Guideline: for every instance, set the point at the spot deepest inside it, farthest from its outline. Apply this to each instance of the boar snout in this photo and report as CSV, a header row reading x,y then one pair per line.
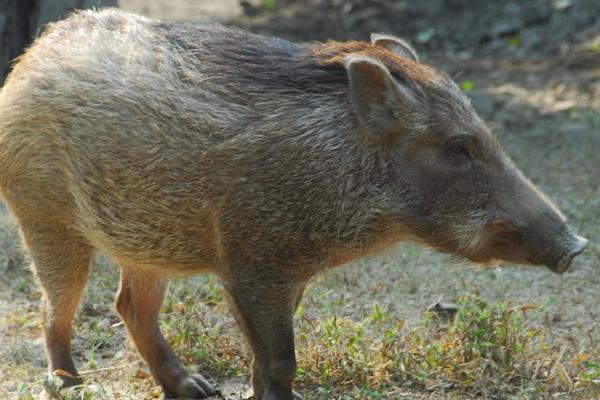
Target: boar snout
x,y
556,248
539,233
575,246
540,246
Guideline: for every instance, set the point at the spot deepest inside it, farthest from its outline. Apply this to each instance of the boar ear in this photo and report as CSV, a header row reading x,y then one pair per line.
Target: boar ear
x,y
377,98
397,45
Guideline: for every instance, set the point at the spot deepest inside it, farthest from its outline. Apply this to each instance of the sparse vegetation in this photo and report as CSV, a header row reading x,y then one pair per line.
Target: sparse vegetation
x,y
488,349
269,4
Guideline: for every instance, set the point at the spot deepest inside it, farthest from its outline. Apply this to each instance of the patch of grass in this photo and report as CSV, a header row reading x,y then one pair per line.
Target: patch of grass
x,y
86,391
486,349
593,44
467,85
515,41
194,322
269,5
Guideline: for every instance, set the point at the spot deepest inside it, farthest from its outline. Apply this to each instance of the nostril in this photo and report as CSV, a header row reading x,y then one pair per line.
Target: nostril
x,y
578,244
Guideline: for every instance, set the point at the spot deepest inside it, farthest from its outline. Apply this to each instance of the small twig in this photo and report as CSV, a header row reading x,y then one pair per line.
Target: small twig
x,y
99,370
536,371
559,358
117,324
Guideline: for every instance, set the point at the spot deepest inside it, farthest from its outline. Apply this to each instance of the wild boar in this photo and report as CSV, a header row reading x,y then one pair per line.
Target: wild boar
x,y
181,149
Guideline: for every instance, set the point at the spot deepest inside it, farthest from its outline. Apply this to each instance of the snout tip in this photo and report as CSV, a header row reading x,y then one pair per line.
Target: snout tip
x,y
578,244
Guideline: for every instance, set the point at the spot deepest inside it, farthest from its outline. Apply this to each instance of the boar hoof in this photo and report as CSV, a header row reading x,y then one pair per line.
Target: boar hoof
x,y
54,386
192,387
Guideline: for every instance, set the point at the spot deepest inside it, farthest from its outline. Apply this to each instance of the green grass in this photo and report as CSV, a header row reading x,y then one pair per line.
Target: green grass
x,y
486,349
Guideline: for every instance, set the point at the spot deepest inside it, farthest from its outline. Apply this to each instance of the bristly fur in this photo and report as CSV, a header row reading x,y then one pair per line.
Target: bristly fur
x,y
333,54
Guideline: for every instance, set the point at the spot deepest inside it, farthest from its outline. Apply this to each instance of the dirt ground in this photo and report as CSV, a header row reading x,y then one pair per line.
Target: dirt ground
x,y
532,69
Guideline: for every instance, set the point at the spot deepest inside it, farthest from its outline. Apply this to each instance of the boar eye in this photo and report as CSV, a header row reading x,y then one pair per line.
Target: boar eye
x,y
458,146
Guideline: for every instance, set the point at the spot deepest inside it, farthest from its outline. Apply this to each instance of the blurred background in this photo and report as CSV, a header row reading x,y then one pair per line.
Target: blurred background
x,y
532,69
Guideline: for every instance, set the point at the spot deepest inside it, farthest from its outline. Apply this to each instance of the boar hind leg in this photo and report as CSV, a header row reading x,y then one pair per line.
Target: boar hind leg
x,y
138,303
265,314
61,262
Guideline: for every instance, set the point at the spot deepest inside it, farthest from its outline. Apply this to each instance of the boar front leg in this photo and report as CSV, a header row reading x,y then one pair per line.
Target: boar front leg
x,y
138,303
265,310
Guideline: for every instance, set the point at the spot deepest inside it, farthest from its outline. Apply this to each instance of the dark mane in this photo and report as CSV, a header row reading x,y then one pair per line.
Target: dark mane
x,y
256,61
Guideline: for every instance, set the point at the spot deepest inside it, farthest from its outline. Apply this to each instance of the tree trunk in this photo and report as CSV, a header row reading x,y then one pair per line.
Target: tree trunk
x,y
22,20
